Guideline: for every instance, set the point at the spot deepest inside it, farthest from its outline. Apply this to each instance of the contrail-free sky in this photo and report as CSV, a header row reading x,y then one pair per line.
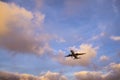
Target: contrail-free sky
x,y
35,36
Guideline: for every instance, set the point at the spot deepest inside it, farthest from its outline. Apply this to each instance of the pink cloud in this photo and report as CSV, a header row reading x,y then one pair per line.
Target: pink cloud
x,y
19,30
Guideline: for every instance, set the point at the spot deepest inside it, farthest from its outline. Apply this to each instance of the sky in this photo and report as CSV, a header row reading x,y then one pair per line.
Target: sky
x,y
36,35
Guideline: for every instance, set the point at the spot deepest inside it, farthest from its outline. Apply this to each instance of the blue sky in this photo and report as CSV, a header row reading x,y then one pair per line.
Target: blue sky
x,y
35,36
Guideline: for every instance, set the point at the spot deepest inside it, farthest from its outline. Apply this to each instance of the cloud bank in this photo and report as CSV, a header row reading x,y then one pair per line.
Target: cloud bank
x,y
21,30
16,76
111,72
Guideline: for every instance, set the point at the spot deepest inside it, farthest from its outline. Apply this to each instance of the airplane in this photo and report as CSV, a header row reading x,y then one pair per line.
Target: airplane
x,y
75,55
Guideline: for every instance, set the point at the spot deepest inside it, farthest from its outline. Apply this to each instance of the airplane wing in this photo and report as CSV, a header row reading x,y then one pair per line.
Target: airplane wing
x,y
68,55
80,53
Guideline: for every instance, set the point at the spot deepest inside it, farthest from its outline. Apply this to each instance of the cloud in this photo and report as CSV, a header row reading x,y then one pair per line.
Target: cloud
x,y
16,76
96,37
115,38
84,60
86,75
52,76
21,30
112,73
59,39
104,58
